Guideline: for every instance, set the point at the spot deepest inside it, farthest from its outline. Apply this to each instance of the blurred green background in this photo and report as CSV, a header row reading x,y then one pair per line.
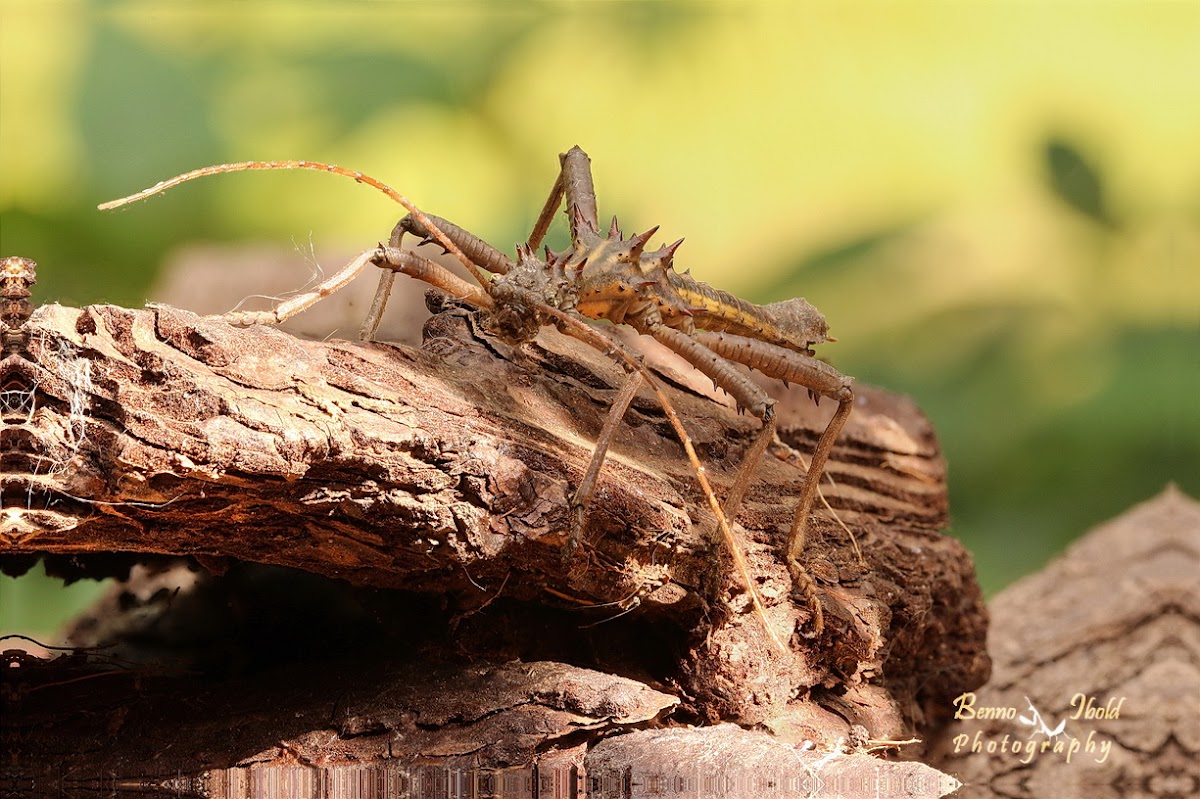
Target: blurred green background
x,y
996,206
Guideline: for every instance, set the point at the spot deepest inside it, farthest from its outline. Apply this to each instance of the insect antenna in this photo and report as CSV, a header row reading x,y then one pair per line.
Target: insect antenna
x,y
316,166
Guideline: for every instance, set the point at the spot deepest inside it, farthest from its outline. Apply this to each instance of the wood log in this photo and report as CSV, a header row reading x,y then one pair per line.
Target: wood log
x,y
439,479
1097,685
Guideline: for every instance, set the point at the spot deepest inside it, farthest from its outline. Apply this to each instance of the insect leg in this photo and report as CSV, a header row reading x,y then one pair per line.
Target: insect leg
x,y
577,328
746,392
479,251
295,305
542,225
388,258
474,248
370,325
575,181
583,494
431,272
752,397
820,378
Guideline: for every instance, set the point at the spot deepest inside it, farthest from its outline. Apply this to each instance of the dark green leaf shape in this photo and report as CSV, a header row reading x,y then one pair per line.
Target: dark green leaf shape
x,y
1076,180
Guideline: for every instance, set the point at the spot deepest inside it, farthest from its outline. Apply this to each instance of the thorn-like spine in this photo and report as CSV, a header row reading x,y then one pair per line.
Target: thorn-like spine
x,y
578,222
638,243
668,252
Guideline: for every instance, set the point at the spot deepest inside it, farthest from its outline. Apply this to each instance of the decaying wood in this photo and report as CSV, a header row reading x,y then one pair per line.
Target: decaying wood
x,y
126,727
733,763
1105,642
443,474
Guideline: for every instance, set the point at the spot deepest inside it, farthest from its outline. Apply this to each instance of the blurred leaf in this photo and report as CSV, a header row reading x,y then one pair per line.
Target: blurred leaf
x,y
1076,181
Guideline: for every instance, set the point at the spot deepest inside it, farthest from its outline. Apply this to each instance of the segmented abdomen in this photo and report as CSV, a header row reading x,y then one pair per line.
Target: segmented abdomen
x,y
779,362
794,324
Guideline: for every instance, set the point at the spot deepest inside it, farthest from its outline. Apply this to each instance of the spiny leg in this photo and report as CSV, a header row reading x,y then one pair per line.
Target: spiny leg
x,y
391,260
301,302
383,291
431,272
480,253
476,249
748,395
812,481
575,181
578,186
542,226
387,279
750,462
802,579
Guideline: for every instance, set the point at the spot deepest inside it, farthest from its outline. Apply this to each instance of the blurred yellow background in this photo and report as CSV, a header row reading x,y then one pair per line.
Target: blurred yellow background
x,y
997,206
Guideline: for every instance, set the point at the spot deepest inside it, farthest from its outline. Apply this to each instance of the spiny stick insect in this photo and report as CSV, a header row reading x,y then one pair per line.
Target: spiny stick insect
x,y
615,278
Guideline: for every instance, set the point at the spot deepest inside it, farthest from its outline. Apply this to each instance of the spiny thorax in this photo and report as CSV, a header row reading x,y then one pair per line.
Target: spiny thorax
x,y
621,282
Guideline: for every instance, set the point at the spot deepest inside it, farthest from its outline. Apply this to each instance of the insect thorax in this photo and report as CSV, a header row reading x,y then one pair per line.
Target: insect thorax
x,y
618,281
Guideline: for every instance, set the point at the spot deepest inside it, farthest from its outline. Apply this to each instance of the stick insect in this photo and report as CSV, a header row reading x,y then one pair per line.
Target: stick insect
x,y
611,277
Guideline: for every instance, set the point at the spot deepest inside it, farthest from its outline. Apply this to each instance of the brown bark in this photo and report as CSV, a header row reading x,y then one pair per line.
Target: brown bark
x,y
1105,642
442,475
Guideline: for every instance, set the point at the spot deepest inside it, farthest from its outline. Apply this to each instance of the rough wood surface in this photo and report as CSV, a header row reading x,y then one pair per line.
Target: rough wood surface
x,y
1105,642
443,473
733,763
125,727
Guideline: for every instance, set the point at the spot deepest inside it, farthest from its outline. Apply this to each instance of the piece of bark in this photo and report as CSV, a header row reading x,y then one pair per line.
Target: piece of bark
x,y
131,726
1111,628
734,763
446,472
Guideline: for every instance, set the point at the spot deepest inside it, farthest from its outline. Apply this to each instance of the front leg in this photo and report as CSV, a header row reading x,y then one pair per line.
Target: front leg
x,y
300,302
478,251
391,260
